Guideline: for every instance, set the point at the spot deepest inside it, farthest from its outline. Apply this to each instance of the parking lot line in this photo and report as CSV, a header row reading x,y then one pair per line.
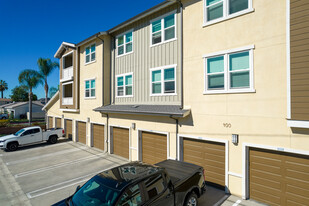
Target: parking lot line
x,y
43,169
65,184
237,203
43,156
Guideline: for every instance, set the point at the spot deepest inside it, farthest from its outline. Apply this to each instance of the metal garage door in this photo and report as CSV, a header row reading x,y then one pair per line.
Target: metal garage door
x,y
154,147
98,136
50,122
278,178
121,142
68,128
81,132
210,155
58,123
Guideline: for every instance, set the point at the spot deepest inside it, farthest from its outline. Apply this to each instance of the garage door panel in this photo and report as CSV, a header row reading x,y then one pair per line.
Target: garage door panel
x,y
121,142
50,122
58,123
154,147
291,174
81,126
68,128
98,136
210,155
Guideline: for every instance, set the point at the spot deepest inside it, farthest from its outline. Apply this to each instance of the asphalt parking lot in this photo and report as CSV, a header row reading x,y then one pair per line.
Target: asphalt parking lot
x,y
44,174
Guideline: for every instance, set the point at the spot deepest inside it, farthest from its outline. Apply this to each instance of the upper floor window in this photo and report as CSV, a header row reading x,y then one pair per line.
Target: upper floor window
x,y
230,71
90,54
163,80
90,88
216,10
125,43
124,85
163,29
67,60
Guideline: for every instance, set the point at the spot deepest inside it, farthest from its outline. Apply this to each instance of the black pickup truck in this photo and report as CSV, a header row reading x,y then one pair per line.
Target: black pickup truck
x,y
167,183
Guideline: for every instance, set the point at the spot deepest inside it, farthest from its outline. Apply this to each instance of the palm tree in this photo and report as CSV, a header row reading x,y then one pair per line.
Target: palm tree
x,y
46,66
52,91
31,79
3,87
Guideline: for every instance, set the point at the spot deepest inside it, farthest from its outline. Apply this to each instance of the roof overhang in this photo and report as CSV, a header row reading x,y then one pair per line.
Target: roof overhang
x,y
142,15
174,111
62,47
91,38
55,97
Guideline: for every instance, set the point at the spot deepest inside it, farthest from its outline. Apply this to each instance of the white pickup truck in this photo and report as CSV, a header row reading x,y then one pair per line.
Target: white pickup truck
x,y
30,135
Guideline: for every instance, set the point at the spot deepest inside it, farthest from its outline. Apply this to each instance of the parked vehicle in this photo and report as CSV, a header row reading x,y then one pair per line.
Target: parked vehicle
x,y
4,116
30,135
168,183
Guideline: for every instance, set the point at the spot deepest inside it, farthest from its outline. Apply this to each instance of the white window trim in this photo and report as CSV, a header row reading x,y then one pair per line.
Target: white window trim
x,y
90,88
225,16
124,85
89,45
162,29
124,43
225,53
162,80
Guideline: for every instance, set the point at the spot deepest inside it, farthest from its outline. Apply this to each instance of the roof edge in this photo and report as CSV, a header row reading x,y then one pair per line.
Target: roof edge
x,y
52,99
91,38
62,46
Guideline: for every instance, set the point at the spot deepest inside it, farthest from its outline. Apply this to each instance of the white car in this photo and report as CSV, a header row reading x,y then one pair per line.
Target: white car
x,y
30,135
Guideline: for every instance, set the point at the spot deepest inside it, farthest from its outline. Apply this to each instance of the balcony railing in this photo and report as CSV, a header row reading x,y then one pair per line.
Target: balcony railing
x,y
67,101
67,74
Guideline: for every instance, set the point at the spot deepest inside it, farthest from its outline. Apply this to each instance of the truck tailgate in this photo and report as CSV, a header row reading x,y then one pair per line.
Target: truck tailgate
x,y
179,171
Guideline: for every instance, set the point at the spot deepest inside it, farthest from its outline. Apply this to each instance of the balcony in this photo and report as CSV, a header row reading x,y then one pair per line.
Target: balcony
x,y
67,74
67,67
67,101
67,93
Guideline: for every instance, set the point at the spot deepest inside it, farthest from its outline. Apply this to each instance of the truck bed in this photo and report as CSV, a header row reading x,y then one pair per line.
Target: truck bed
x,y
179,171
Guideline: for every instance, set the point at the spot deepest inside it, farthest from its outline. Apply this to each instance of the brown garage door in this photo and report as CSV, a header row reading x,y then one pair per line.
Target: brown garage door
x,y
121,142
98,136
58,123
154,147
210,155
279,178
68,128
50,122
81,132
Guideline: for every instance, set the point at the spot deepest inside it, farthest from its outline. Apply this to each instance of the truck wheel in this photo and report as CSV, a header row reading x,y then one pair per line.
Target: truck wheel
x,y
12,146
53,139
191,200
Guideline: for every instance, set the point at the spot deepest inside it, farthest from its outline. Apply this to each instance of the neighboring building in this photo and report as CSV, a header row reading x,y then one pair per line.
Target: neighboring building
x,y
222,84
5,101
19,109
42,100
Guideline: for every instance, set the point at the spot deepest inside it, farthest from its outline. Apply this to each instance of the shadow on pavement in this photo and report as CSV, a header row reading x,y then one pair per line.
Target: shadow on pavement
x,y
42,144
213,196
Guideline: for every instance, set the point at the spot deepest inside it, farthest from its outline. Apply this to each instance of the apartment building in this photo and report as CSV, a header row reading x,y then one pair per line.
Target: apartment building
x,y
219,83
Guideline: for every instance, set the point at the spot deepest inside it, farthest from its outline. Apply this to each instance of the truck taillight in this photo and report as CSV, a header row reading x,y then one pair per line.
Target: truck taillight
x,y
63,131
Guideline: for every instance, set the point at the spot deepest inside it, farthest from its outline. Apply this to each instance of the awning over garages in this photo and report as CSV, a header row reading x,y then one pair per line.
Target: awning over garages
x,y
158,110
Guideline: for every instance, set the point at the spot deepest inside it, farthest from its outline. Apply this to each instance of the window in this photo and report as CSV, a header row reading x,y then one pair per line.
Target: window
x,y
90,88
131,196
90,54
163,30
155,185
124,85
68,61
230,71
163,80
125,43
222,9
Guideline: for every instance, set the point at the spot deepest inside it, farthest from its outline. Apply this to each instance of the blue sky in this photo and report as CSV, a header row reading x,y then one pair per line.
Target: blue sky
x,y
30,29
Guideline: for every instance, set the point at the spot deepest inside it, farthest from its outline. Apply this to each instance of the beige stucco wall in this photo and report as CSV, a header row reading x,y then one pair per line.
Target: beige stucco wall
x,y
92,70
259,117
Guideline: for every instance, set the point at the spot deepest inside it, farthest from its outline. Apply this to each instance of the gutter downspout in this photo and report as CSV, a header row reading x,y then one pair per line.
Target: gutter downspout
x,y
113,68
103,79
181,53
